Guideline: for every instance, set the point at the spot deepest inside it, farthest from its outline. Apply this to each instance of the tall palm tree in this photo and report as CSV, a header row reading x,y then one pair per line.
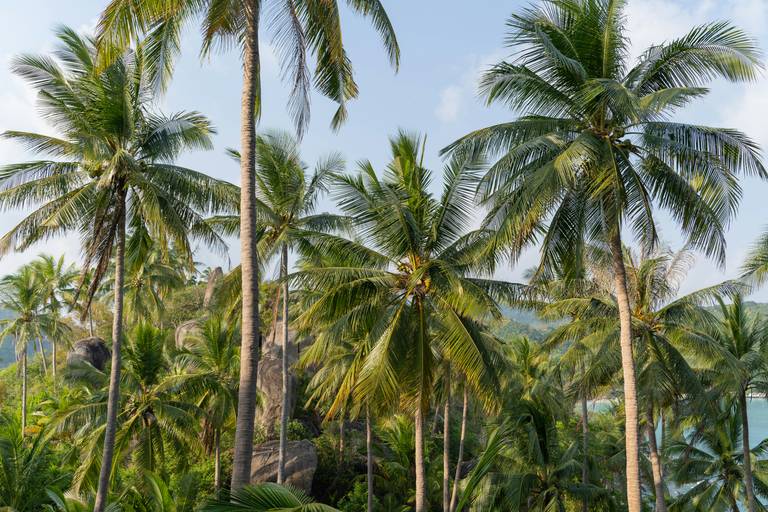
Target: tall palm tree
x,y
58,279
22,294
741,368
112,169
595,151
210,362
414,269
300,29
286,196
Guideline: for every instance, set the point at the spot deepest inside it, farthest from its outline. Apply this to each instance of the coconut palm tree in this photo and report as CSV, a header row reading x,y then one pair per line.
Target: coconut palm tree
x,y
153,418
414,270
595,150
210,362
740,368
23,294
58,279
708,463
300,30
287,196
112,170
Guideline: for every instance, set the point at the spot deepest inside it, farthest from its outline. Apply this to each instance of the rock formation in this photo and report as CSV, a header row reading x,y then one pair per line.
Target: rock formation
x,y
89,350
270,375
300,463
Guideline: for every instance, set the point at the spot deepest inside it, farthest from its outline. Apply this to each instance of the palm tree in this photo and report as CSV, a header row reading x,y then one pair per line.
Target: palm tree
x,y
153,418
286,198
709,463
22,294
739,368
210,363
113,170
24,468
412,270
594,150
756,265
267,497
300,29
58,280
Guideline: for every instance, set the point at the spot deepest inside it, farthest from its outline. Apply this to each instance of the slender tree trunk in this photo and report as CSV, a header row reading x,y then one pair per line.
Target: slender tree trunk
x,y
90,322
748,482
369,457
585,448
421,486
42,356
628,369
249,358
24,390
447,444
460,458
217,461
658,474
113,401
53,361
284,412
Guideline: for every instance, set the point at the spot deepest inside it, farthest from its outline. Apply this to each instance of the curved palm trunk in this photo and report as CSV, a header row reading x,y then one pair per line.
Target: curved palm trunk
x,y
369,457
113,400
447,445
658,474
284,412
421,487
748,482
246,404
585,447
42,356
459,459
628,369
24,390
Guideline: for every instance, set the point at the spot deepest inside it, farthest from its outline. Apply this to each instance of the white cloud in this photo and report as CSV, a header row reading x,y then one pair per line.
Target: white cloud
x,y
451,98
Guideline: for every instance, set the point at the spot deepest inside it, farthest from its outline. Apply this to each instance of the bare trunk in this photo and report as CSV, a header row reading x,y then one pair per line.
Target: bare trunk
x,y
53,361
24,390
584,448
42,356
90,322
748,482
249,347
369,457
658,474
113,402
421,487
460,458
447,445
628,368
217,461
284,412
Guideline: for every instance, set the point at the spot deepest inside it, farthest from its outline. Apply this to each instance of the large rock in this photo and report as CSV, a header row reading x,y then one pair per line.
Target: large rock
x,y
89,350
300,463
270,378
185,331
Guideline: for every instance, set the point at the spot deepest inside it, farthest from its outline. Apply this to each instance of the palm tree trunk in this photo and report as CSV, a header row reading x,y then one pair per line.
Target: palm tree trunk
x,y
286,392
369,457
53,361
585,447
113,401
748,482
24,390
658,475
217,461
42,356
459,459
249,360
628,369
421,486
90,322
447,444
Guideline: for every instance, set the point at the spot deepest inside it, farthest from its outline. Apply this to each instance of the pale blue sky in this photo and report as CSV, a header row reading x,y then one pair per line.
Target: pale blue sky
x,y
445,43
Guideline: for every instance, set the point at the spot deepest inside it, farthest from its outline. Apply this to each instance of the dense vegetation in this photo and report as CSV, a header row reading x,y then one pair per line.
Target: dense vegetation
x,y
388,368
